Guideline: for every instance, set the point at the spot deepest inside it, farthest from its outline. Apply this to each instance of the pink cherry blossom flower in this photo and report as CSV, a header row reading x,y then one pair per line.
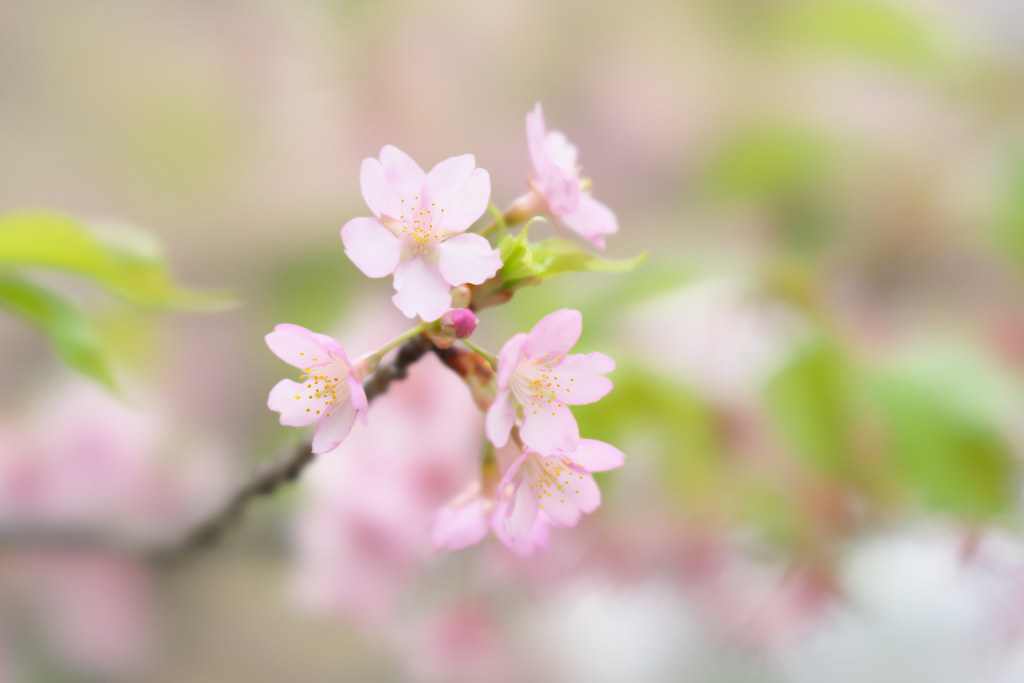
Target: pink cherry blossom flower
x,y
415,230
537,382
559,486
331,393
557,184
465,520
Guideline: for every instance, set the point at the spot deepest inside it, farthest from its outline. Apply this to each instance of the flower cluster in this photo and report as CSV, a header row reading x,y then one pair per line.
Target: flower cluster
x,y
419,234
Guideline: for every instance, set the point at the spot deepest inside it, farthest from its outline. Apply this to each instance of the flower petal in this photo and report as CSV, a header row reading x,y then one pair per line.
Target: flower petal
x,y
560,151
297,346
379,194
468,259
460,526
536,133
421,290
445,179
554,335
549,428
591,220
511,355
579,493
295,412
402,173
372,247
467,203
500,418
357,396
522,510
579,378
597,456
334,427
525,546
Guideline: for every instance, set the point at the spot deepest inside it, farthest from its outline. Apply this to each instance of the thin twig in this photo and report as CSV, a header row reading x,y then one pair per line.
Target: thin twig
x,y
265,480
286,467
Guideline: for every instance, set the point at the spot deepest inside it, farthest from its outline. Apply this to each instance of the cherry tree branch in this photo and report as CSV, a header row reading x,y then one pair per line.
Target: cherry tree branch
x,y
287,466
265,480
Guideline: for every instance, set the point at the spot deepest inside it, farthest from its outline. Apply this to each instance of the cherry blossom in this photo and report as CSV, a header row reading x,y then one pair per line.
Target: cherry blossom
x,y
557,185
415,230
465,520
559,486
331,393
537,382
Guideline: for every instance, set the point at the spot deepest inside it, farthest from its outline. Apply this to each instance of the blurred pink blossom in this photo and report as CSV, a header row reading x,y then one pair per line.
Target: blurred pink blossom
x,y
363,533
465,520
415,231
104,472
557,187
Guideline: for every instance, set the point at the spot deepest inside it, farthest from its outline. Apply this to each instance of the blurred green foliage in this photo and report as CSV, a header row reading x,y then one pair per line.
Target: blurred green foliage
x,y
126,262
72,334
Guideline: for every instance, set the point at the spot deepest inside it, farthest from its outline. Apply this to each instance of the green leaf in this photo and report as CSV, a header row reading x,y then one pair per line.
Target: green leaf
x,y
943,414
517,258
767,162
866,28
809,399
127,262
556,256
72,335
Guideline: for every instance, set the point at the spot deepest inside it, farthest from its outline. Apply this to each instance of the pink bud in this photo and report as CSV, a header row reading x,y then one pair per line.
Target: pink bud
x,y
461,320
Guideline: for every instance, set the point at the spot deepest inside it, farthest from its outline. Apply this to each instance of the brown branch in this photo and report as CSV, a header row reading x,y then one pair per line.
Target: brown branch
x,y
287,466
265,480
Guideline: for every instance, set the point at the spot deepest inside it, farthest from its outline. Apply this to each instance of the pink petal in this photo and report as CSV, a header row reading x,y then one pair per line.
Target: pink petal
x,y
549,429
460,526
468,259
500,417
511,355
522,510
536,133
445,179
402,173
535,539
579,494
357,397
596,456
421,290
295,412
561,191
591,220
334,427
554,335
560,151
297,346
579,378
372,247
332,345
467,203
380,195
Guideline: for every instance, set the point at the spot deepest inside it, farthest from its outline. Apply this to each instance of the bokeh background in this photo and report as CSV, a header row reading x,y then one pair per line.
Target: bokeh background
x,y
819,383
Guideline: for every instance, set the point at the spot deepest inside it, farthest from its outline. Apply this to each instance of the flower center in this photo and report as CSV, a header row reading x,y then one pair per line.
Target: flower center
x,y
544,474
418,225
533,385
328,382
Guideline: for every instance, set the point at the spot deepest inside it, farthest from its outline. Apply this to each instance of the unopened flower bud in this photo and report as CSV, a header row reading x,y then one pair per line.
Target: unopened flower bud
x,y
460,321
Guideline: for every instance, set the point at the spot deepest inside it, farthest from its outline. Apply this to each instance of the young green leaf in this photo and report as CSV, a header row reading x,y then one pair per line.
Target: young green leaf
x,y
127,262
556,256
73,337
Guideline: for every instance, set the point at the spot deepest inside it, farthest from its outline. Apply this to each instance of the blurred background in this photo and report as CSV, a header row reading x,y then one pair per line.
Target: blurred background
x,y
820,372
